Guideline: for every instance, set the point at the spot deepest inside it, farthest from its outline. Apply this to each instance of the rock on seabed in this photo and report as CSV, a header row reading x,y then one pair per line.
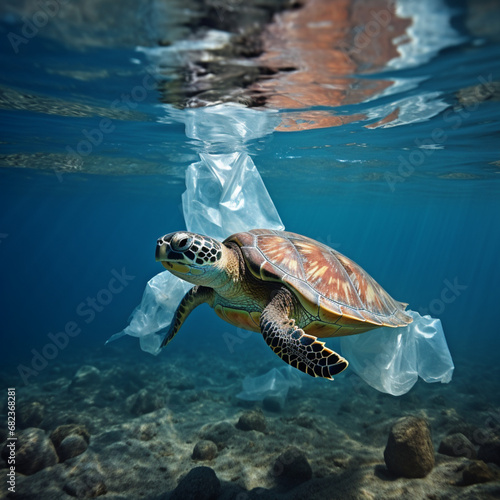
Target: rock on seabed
x,y
292,465
409,451
34,452
457,445
204,450
252,420
200,483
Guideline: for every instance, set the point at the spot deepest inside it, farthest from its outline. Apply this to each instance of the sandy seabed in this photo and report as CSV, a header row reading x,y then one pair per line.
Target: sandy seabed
x,y
124,426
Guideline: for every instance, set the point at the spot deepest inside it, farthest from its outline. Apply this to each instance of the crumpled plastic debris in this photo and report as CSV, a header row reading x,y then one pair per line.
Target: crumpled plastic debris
x,y
154,314
224,127
392,359
275,383
225,194
388,359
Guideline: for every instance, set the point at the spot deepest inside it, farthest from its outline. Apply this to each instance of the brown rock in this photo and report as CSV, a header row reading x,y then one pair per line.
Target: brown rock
x,y
252,420
205,450
60,433
477,472
409,451
292,465
200,483
71,446
457,445
34,451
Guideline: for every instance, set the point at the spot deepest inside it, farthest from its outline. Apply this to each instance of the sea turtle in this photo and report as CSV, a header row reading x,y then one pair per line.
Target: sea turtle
x,y
289,287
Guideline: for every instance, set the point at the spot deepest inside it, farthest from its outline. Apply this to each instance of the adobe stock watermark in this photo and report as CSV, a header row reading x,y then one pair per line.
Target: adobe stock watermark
x,y
236,338
480,436
426,147
328,241
95,137
450,292
88,311
48,9
490,430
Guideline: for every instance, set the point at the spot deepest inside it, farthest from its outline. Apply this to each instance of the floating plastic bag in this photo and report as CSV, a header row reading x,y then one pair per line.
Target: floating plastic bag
x,y
275,383
226,127
392,359
160,299
388,359
225,194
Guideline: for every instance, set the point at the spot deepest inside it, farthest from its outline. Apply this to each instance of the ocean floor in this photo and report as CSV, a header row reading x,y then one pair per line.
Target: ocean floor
x,y
126,425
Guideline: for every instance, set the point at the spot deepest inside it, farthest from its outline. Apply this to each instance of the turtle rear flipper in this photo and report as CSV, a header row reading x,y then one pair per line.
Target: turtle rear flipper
x,y
293,345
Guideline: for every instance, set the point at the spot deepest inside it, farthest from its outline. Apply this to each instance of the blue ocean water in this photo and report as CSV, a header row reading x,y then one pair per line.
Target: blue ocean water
x,y
414,231
415,203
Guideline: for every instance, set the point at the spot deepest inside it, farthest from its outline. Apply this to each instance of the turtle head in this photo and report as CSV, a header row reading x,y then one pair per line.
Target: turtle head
x,y
190,256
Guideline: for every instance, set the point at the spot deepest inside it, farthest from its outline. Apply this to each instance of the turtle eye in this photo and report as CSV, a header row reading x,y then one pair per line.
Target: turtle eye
x,y
181,242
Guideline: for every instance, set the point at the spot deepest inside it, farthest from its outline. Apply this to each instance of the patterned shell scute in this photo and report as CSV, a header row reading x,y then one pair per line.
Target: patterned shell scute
x,y
328,284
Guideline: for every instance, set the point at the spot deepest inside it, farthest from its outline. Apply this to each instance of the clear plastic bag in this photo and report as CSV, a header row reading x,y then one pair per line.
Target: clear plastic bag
x,y
388,359
154,314
224,127
225,194
275,383
392,359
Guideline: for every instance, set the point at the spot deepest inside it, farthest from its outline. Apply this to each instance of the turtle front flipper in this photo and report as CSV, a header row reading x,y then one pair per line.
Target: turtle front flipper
x,y
292,344
193,298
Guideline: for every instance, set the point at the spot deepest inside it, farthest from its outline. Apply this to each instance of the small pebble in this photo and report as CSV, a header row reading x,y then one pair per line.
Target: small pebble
x,y
60,433
252,420
205,450
71,446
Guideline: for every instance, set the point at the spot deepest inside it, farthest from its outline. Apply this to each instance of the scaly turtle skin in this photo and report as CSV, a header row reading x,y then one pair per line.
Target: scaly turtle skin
x,y
289,287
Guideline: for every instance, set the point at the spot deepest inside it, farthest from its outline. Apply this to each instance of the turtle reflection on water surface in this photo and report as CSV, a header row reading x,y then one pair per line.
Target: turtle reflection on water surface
x,y
290,288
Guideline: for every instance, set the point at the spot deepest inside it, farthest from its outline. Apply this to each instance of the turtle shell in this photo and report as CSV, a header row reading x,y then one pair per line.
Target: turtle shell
x,y
341,297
